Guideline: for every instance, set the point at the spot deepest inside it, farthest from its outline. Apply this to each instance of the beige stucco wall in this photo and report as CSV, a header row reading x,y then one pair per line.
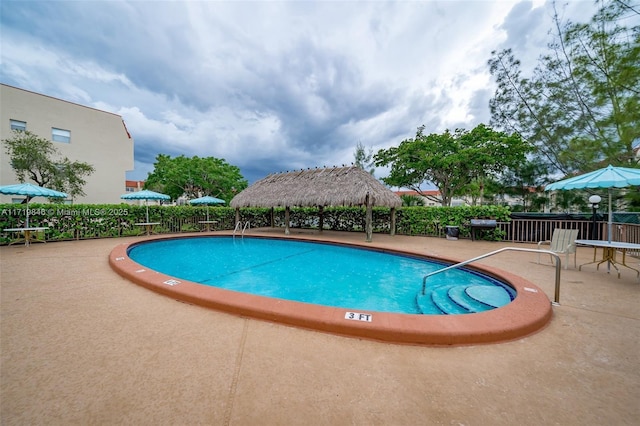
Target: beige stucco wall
x,y
97,137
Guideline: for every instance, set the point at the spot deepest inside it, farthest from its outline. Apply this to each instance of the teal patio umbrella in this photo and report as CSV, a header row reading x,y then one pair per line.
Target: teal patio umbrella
x,y
608,177
30,190
145,194
207,200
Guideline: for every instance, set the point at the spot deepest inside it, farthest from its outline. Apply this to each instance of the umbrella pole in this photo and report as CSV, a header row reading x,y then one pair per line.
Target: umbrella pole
x,y
610,219
207,212
609,228
27,222
146,203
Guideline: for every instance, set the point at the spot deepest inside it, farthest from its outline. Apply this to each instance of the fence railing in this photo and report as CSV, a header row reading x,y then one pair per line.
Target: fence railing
x,y
534,230
521,230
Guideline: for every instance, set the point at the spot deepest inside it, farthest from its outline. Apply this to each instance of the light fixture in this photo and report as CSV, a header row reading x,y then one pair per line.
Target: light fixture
x,y
594,200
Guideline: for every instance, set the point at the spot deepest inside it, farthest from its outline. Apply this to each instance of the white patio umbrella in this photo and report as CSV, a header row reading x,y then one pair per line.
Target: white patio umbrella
x,y
608,177
145,194
207,200
30,190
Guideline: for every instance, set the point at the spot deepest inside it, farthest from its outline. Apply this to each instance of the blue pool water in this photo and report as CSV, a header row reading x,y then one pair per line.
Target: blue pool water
x,y
323,274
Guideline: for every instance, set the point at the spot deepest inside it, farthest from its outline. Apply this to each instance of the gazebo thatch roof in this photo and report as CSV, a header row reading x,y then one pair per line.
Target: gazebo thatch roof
x,y
337,186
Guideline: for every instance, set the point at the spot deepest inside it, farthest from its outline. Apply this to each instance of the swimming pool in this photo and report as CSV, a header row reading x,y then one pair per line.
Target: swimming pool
x,y
529,311
324,274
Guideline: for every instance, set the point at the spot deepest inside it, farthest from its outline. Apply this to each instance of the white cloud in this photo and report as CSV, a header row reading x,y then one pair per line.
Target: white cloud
x,y
268,86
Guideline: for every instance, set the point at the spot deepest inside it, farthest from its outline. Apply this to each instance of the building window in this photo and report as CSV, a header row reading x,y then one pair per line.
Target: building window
x,y
18,125
60,135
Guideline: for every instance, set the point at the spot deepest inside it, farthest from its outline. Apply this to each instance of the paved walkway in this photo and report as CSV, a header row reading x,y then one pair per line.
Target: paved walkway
x,y
81,345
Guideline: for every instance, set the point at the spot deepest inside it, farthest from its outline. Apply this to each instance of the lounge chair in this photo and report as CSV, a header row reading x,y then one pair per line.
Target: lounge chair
x,y
563,241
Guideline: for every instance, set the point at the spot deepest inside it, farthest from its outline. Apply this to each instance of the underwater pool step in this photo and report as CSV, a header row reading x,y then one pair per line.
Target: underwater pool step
x,y
494,297
462,299
426,305
437,302
440,298
459,295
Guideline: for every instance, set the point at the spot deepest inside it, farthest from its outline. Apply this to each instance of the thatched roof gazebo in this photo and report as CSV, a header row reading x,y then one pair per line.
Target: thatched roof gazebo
x,y
337,186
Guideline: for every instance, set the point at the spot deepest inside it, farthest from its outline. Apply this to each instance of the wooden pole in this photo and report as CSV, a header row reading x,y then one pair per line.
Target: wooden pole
x,y
286,221
321,219
369,220
273,224
393,221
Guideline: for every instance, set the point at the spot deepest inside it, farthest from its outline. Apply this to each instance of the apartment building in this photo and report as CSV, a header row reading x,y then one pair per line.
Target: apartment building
x,y
134,185
78,132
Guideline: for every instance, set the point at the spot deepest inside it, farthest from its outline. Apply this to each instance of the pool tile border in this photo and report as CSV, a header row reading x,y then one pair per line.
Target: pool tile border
x,y
528,313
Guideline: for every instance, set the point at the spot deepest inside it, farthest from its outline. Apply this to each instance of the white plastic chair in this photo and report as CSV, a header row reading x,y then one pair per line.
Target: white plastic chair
x,y
563,241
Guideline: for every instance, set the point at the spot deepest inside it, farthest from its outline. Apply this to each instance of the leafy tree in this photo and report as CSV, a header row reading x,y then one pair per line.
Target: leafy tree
x,y
411,200
363,158
36,158
482,191
568,201
195,177
633,199
526,181
451,161
537,202
581,106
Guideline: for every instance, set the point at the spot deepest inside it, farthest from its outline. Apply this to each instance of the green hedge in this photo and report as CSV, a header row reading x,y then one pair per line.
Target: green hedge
x,y
66,222
77,221
433,220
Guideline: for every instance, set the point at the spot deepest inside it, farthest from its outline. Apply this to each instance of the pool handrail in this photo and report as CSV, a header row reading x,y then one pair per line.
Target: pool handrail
x,y
556,299
239,225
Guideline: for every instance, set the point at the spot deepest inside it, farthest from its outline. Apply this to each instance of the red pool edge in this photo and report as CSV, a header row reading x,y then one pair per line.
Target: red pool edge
x,y
528,313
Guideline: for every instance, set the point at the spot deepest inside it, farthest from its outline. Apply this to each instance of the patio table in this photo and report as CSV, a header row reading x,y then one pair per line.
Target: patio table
x,y
148,226
208,223
609,251
27,232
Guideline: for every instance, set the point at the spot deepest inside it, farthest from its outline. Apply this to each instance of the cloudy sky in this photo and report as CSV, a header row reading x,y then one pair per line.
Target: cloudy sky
x,y
272,85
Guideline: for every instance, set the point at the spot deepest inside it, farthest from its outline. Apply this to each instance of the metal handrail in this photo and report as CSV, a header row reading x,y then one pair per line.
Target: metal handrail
x,y
238,225
556,299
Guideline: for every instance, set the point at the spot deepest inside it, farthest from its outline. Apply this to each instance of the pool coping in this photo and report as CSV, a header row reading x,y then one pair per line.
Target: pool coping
x,y
528,313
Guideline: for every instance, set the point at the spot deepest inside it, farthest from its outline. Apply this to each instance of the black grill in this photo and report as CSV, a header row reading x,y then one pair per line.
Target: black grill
x,y
482,225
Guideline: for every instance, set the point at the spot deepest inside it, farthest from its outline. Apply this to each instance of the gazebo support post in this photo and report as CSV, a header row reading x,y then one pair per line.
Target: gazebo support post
x,y
286,220
273,224
321,218
369,220
237,217
392,231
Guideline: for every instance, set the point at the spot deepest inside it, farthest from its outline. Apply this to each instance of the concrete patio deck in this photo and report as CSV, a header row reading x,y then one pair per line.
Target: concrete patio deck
x,y
81,345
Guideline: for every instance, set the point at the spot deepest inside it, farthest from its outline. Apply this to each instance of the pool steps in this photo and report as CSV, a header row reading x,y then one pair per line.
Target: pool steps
x,y
460,296
462,299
